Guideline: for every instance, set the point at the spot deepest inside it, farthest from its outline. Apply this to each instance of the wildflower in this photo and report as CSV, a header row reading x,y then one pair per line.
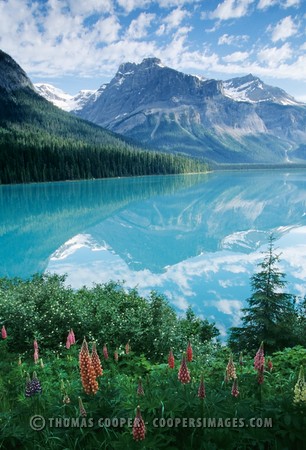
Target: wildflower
x,y
116,356
300,388
201,390
259,359
28,388
171,359
88,373
235,391
66,399
41,363
260,375
35,384
127,347
36,355
230,369
189,352
68,343
82,409
3,332
105,352
95,360
140,390
139,429
184,374
269,365
72,337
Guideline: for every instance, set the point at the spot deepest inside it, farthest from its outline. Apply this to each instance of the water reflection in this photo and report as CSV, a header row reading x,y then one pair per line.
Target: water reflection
x,y
195,238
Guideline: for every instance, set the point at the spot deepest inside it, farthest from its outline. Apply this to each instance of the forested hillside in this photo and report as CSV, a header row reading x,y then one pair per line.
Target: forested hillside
x,y
39,142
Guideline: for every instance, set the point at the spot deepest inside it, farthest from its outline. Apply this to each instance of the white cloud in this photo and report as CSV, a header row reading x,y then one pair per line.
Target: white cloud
x,y
231,9
85,8
236,57
138,27
273,56
231,307
264,4
290,3
284,28
107,30
130,5
237,40
172,21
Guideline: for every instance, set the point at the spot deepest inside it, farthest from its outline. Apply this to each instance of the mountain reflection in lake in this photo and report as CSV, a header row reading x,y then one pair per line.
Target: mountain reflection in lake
x,y
195,238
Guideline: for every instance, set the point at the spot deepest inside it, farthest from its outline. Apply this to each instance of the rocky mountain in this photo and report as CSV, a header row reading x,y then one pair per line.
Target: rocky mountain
x,y
12,76
252,90
40,142
61,99
241,120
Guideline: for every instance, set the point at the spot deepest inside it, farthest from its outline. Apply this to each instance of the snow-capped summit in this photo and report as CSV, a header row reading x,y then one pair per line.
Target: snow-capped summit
x,y
61,99
252,90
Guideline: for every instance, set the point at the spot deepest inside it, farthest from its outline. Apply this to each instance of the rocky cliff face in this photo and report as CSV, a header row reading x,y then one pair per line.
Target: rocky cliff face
x,y
12,76
241,120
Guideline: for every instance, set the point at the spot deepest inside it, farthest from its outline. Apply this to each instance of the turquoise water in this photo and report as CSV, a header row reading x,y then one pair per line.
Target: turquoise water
x,y
195,238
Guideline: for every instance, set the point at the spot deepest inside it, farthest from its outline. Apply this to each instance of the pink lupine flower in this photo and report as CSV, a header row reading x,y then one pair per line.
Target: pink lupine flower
x,y
201,390
139,428
184,374
35,344
171,359
68,343
71,337
189,352
3,332
235,391
260,377
230,369
82,409
259,359
105,352
140,390
36,356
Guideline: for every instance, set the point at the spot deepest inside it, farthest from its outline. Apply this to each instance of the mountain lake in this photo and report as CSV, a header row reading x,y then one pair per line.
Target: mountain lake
x,y
197,238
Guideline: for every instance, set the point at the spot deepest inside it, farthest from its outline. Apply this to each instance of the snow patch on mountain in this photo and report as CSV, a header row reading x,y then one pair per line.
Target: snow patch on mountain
x,y
61,99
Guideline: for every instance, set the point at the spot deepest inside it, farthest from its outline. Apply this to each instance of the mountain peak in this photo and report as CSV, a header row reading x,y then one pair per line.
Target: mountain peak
x,y
150,62
12,76
128,68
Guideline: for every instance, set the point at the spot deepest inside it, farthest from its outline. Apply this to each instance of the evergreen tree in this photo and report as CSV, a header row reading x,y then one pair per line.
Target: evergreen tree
x,y
270,315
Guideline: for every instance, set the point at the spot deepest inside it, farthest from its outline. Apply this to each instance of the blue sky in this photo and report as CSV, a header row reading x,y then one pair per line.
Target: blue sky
x,y
79,44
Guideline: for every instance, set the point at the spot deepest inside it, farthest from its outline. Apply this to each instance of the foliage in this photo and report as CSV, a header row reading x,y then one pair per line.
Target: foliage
x,y
44,308
39,142
271,315
260,417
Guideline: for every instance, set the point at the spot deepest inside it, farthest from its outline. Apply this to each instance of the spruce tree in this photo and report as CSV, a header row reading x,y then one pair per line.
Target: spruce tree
x,y
270,315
